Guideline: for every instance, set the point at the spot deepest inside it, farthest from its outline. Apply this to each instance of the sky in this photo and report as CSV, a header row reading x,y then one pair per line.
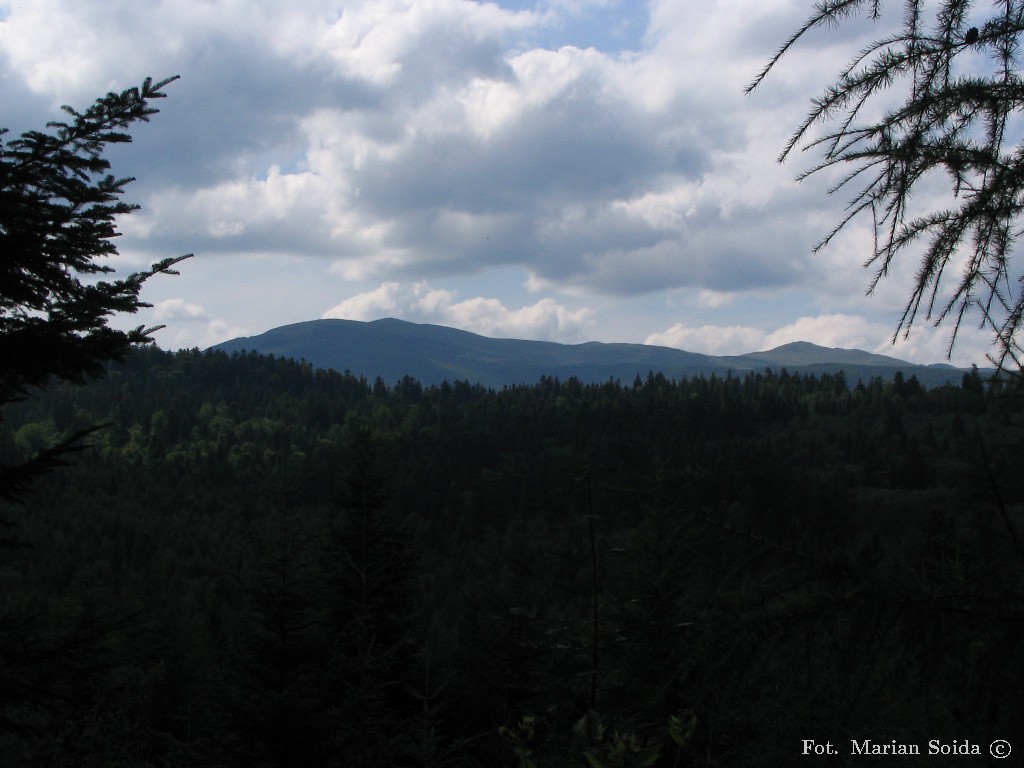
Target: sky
x,y
564,170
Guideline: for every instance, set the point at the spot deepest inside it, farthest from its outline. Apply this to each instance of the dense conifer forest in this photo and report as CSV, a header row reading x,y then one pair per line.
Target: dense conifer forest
x,y
261,564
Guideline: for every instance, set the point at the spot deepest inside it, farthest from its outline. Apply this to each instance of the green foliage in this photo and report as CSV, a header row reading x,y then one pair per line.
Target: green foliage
x,y
621,750
681,727
961,77
57,220
58,208
604,747
34,437
518,741
312,564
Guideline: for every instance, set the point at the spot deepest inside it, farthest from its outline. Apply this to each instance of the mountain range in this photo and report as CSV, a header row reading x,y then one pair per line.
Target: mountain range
x,y
392,349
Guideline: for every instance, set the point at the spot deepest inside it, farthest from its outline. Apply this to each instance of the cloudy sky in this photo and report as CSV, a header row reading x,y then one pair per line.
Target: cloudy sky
x,y
568,170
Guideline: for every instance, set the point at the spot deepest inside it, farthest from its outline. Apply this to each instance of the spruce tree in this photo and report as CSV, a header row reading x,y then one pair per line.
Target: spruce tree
x,y
58,207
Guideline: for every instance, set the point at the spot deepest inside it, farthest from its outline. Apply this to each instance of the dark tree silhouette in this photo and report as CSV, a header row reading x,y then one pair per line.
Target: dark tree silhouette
x,y
370,567
959,69
57,221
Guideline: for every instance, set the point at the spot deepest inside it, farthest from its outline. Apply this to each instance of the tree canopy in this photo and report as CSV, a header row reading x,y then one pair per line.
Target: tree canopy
x,y
58,207
935,98
303,567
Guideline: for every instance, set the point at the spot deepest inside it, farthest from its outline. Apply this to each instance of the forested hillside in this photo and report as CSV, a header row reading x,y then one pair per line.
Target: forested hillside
x,y
432,354
260,564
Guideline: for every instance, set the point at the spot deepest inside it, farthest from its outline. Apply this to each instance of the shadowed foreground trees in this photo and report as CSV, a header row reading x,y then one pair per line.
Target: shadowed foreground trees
x,y
370,570
313,564
58,206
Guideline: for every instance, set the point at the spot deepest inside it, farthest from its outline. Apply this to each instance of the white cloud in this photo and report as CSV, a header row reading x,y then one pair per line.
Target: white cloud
x,y
530,158
400,141
715,299
280,212
390,299
385,41
710,339
71,49
213,331
925,345
186,325
834,330
928,344
176,310
418,302
455,150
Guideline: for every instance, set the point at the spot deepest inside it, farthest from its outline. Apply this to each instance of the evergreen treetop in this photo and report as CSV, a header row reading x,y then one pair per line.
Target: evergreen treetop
x,y
58,207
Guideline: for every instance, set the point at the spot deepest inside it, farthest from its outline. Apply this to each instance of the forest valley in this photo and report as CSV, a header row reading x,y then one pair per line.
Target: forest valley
x,y
261,564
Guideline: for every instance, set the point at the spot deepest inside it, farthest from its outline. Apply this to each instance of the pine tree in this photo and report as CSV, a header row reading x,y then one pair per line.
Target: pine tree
x,y
57,221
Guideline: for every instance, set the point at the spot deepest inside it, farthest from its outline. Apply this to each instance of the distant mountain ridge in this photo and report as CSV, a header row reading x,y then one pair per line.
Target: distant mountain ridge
x,y
392,349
